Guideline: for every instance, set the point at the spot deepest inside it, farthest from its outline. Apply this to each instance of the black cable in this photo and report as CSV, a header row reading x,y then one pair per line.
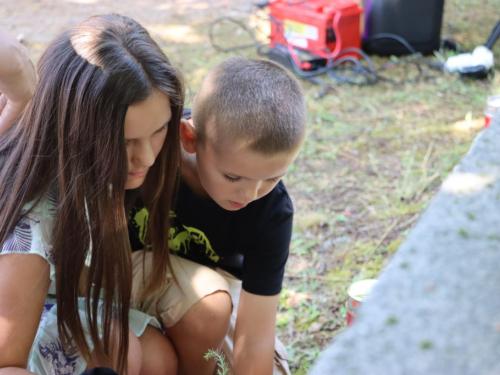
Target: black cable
x,y
371,66
320,83
405,43
235,48
495,34
335,66
391,36
447,43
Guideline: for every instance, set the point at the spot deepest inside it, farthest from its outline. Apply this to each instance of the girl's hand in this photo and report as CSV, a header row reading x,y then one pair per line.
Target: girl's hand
x,y
18,79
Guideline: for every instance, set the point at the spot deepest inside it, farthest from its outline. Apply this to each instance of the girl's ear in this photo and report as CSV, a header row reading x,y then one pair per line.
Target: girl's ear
x,y
188,136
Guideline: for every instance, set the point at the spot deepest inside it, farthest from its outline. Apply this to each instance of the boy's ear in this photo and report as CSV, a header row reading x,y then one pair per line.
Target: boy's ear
x,y
188,136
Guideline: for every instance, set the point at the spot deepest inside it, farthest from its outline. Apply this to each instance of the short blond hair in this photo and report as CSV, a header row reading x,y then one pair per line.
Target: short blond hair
x,y
252,100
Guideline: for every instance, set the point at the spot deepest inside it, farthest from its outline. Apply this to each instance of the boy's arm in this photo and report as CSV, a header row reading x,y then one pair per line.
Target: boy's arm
x,y
254,337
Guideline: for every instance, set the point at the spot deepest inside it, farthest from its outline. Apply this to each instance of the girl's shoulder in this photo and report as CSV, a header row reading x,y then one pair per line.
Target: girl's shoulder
x,y
42,208
33,232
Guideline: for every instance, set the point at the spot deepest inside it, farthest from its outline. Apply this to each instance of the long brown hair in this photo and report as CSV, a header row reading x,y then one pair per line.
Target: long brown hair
x,y
69,144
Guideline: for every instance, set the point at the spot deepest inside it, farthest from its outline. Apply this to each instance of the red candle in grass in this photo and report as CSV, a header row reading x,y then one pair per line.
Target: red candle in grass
x,y
492,107
356,295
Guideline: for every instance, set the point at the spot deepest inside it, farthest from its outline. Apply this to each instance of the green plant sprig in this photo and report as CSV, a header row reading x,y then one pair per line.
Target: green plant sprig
x,y
221,361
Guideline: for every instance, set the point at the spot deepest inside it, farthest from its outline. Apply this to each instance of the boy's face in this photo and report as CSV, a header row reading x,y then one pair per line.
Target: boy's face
x,y
235,176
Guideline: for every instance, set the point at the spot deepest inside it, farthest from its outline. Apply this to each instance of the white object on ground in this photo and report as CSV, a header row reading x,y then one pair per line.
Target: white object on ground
x,y
480,56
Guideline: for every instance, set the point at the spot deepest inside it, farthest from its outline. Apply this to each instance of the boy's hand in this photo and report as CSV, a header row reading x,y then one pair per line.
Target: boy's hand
x,y
18,79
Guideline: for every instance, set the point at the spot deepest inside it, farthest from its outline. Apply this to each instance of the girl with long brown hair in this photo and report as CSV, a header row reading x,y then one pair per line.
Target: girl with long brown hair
x,y
104,119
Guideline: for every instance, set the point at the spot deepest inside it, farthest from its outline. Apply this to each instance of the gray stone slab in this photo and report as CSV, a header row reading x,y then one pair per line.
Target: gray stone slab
x,y
436,308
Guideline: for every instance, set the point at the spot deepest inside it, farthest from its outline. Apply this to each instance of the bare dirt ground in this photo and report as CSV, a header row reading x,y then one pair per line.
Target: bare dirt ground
x,y
373,157
171,22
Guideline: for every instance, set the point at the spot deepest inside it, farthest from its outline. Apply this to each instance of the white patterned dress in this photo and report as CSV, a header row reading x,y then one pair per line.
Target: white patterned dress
x,y
32,235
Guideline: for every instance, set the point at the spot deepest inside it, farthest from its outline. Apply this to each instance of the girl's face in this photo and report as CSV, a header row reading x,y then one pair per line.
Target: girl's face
x,y
146,125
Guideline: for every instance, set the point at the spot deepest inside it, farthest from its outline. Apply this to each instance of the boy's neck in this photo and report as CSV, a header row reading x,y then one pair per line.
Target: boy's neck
x,y
189,174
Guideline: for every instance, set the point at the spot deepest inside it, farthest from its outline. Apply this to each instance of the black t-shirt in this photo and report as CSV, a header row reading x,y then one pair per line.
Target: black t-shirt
x,y
251,243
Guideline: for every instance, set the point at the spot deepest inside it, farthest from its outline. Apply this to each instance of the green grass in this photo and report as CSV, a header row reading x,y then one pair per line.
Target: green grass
x,y
373,158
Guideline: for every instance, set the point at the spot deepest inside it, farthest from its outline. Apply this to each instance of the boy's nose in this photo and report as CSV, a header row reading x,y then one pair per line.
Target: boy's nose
x,y
250,193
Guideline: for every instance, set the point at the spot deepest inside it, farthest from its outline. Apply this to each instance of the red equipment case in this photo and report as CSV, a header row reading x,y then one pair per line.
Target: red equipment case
x,y
322,27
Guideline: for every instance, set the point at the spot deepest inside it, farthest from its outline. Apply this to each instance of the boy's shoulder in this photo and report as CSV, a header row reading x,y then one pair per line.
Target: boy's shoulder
x,y
278,199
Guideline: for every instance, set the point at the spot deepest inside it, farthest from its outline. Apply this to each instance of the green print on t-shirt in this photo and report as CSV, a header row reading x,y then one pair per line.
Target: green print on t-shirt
x,y
189,239
184,239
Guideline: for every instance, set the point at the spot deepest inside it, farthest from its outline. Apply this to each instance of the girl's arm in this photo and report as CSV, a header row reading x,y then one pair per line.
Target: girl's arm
x,y
14,371
24,284
18,79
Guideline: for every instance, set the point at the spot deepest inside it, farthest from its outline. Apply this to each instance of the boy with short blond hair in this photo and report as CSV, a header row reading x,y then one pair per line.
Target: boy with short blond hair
x,y
233,219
